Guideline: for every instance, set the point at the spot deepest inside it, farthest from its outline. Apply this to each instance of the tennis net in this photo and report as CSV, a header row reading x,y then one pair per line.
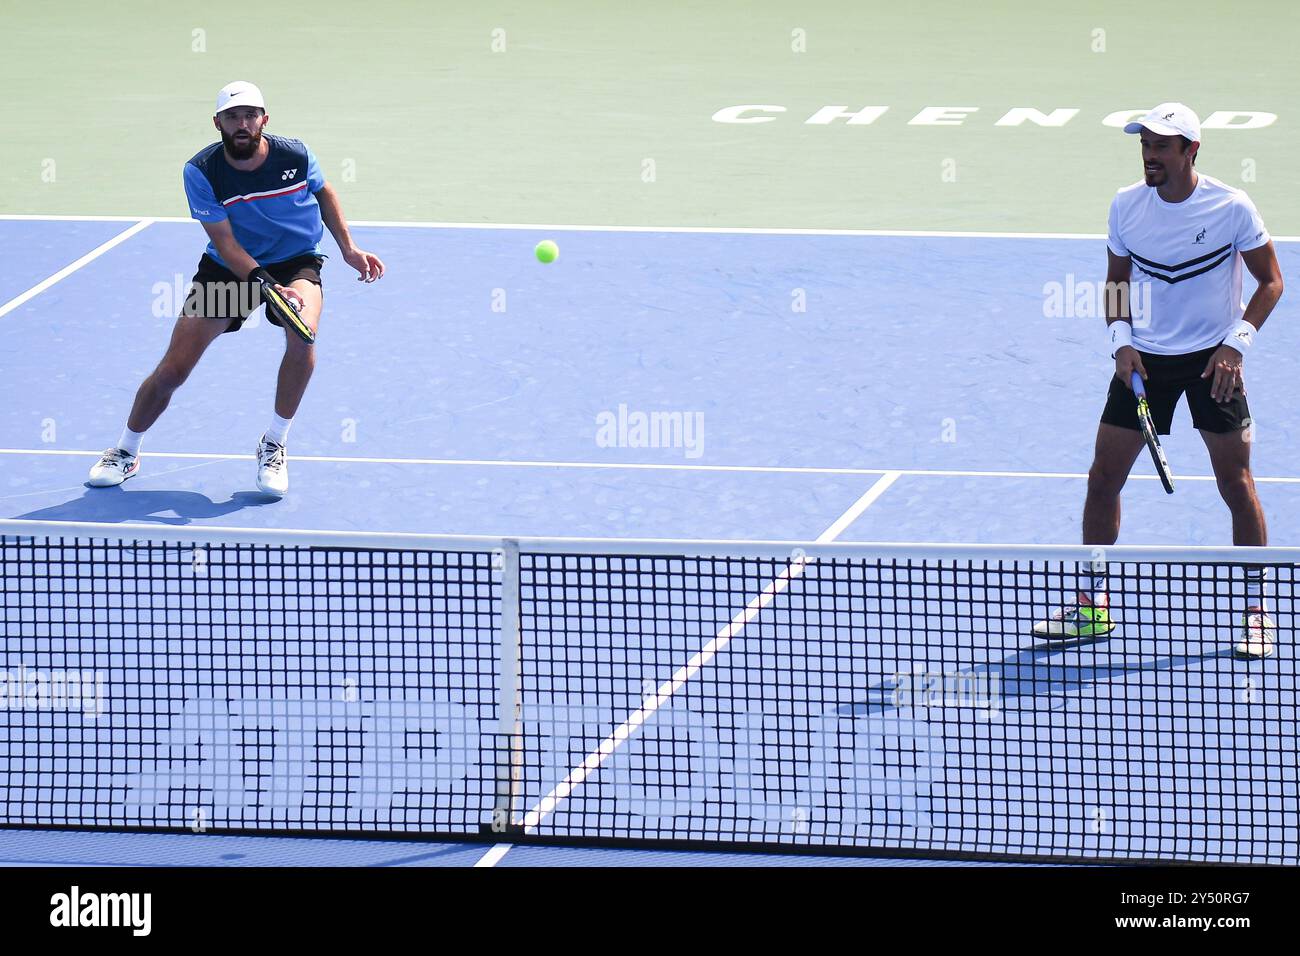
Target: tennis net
x,y
873,699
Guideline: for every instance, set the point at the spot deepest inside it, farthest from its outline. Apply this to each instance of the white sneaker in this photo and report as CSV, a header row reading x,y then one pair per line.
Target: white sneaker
x,y
272,468
1256,640
115,467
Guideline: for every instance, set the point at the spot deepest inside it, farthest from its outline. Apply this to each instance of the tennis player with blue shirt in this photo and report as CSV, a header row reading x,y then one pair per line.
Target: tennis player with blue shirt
x,y
1186,235
264,204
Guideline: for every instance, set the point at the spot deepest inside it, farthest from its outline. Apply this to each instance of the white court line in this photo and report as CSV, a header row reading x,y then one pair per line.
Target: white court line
x,y
841,524
579,227
67,270
82,487
702,658
25,217
637,466
493,856
573,227
730,230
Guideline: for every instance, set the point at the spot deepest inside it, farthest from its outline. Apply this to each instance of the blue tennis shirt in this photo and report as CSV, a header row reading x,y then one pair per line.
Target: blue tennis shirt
x,y
272,209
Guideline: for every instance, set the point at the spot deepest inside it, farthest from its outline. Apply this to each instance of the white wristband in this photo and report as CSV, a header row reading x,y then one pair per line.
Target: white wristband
x,y
1118,334
1242,336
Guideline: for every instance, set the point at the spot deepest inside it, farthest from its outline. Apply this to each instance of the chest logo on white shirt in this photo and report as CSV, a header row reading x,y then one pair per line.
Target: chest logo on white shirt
x,y
289,174
1200,238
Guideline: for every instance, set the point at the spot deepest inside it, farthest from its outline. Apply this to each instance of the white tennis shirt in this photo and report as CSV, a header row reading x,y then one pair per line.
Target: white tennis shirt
x,y
1186,284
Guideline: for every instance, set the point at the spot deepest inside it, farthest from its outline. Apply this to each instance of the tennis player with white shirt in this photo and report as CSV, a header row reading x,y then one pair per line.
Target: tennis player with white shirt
x,y
264,204
1184,236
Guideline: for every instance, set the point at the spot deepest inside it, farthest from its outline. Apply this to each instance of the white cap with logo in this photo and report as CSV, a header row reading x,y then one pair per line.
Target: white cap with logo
x,y
239,93
1169,119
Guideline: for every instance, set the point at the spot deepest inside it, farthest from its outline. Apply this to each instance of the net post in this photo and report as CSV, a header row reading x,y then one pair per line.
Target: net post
x,y
509,749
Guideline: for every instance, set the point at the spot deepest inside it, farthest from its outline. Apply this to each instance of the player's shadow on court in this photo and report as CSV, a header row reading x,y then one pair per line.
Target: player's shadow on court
x,y
162,507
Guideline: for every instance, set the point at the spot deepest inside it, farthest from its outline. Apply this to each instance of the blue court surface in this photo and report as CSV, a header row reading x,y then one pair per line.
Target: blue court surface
x,y
855,387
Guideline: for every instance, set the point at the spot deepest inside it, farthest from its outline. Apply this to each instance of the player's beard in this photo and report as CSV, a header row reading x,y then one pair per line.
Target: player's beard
x,y
242,149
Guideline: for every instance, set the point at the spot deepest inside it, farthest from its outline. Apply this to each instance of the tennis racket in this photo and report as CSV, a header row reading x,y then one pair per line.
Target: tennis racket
x,y
1149,433
281,308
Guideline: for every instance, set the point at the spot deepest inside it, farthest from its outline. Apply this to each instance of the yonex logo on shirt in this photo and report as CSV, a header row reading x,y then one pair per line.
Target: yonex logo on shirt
x,y
289,174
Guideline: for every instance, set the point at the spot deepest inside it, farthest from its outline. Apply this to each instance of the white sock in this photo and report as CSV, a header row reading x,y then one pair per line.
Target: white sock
x,y
1095,575
1257,587
130,441
279,430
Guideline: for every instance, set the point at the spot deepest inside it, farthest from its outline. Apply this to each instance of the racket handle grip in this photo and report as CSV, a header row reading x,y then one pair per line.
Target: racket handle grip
x,y
1139,389
261,277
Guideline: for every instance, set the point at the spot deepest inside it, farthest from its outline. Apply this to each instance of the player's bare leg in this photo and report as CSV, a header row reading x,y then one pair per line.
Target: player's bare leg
x,y
1089,616
291,384
1116,451
299,358
191,337
1230,459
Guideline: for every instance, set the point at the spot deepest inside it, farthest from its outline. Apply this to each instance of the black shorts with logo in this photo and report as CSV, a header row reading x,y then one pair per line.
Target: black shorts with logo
x,y
1168,378
217,293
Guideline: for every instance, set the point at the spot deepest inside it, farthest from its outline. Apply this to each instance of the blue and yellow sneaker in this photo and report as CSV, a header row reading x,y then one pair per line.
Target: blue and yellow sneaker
x,y
1076,622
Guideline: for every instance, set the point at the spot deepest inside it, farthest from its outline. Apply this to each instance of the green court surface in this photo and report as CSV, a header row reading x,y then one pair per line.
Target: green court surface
x,y
593,113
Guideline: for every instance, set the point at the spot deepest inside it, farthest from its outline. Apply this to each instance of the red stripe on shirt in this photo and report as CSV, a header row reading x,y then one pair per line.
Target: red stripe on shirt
x,y
281,192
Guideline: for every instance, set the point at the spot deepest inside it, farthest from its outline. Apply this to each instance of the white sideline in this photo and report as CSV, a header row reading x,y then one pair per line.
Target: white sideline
x,y
578,227
72,267
581,227
635,466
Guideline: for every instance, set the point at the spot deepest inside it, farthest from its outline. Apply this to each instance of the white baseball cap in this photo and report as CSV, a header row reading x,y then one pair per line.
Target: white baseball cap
x,y
1169,119
239,93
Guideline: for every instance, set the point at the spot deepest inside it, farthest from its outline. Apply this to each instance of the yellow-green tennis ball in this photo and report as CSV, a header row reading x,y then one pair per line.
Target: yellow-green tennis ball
x,y
547,251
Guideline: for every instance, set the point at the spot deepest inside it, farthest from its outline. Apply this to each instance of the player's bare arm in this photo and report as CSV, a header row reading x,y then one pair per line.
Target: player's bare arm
x,y
1226,363
1119,270
367,264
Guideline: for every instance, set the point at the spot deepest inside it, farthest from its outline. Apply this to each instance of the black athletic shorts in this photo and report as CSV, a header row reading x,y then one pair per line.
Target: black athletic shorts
x,y
1168,378
217,293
